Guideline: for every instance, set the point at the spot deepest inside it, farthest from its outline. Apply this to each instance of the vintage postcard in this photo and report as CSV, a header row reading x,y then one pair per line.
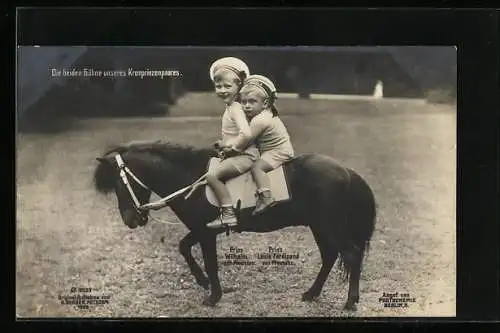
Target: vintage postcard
x,y
236,182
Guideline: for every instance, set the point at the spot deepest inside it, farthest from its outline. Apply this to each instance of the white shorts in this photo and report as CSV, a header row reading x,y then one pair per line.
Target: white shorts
x,y
242,163
275,158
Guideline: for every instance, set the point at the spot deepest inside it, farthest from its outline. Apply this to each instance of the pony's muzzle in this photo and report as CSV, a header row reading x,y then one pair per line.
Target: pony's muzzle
x,y
142,217
131,218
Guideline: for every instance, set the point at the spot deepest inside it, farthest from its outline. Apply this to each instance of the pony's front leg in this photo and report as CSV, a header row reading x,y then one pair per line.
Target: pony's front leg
x,y
185,247
209,250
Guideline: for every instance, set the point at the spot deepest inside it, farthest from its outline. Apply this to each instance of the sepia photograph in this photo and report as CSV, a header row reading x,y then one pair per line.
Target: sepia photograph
x,y
240,182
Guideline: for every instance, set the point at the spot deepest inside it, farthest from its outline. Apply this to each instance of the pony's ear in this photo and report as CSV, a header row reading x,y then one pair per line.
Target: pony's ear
x,y
103,160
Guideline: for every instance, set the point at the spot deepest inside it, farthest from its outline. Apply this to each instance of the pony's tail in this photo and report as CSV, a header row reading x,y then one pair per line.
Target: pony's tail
x,y
343,268
360,218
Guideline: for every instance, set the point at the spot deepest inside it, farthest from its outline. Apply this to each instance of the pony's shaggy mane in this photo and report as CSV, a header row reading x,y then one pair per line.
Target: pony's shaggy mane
x,y
175,153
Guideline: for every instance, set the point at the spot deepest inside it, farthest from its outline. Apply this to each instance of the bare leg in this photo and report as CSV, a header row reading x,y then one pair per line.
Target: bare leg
x,y
265,198
259,173
217,180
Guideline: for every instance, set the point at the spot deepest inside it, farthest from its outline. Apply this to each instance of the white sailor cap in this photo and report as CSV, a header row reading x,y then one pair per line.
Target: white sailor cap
x,y
262,82
230,63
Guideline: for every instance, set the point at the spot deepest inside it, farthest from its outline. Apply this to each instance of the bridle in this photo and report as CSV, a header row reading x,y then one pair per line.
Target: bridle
x,y
124,171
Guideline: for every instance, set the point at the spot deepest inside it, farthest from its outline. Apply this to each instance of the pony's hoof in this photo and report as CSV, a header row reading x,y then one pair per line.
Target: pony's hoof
x,y
350,306
210,301
309,296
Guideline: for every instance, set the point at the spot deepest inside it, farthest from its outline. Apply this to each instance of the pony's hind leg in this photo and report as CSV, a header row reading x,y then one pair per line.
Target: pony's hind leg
x,y
361,224
353,260
328,256
185,247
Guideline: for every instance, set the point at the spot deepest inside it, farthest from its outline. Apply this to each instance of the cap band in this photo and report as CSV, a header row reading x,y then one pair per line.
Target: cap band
x,y
230,68
260,85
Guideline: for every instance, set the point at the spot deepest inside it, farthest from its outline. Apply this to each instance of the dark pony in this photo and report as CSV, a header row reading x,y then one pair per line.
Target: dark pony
x,y
335,202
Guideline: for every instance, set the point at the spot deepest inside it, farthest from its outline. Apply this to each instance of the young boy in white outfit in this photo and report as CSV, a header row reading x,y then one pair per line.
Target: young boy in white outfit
x,y
228,75
257,98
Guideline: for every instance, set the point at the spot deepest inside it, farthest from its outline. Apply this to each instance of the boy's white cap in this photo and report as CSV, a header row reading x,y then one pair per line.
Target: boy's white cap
x,y
231,63
262,82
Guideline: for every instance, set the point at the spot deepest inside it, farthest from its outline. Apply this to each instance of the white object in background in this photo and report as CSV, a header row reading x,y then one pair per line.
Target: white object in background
x,y
378,92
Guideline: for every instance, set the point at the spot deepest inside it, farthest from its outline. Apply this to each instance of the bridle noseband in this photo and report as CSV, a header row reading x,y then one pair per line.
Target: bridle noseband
x,y
143,214
124,171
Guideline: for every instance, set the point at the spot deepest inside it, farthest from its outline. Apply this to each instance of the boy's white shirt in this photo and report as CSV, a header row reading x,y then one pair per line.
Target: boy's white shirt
x,y
241,138
257,125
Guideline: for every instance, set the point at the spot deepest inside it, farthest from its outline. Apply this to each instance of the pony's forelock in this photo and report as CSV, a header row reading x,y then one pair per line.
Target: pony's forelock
x,y
104,178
